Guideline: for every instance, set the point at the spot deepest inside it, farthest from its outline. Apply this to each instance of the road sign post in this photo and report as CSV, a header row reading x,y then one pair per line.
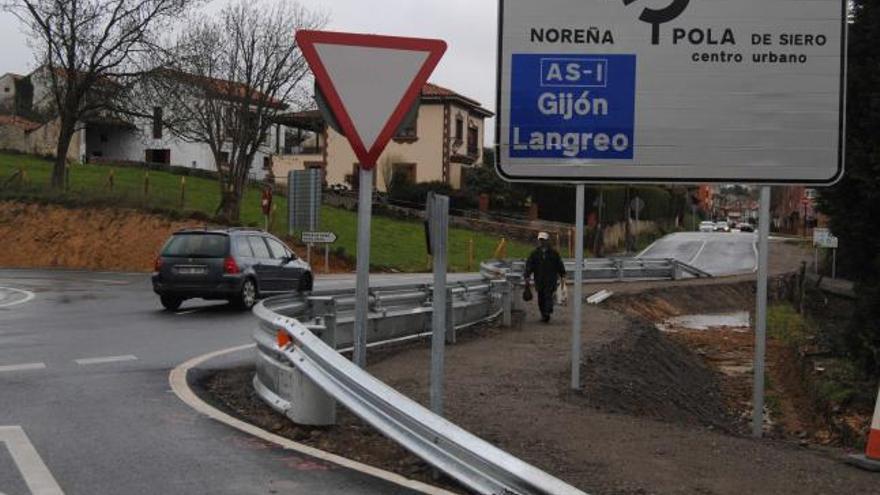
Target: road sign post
x,y
761,314
577,321
439,228
368,86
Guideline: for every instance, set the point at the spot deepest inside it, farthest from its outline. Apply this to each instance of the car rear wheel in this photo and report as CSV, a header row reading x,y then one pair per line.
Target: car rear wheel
x,y
247,297
306,282
171,303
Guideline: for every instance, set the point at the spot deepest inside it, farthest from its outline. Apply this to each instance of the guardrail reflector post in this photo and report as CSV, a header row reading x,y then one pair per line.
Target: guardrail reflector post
x,y
283,338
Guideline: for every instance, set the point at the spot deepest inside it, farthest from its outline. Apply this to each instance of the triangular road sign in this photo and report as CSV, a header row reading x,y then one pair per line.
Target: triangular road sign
x,y
369,82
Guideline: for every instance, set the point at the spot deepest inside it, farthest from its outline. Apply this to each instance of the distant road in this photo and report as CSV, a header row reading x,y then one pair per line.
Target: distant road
x,y
719,253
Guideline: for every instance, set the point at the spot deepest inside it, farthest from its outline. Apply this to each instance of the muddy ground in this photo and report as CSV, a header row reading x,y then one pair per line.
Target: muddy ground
x,y
101,239
655,415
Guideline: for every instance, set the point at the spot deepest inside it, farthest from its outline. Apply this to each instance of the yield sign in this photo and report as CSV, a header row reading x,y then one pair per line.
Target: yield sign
x,y
370,82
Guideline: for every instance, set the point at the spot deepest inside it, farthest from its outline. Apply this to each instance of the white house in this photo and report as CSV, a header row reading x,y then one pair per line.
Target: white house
x,y
111,140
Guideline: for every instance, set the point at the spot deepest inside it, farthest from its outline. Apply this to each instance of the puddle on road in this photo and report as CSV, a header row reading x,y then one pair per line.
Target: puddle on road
x,y
738,321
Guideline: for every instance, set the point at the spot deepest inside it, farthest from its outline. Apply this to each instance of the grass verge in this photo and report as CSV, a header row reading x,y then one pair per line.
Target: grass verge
x,y
396,244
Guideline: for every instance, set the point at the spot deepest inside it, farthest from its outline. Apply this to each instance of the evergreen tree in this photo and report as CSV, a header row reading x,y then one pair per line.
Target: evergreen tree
x,y
854,203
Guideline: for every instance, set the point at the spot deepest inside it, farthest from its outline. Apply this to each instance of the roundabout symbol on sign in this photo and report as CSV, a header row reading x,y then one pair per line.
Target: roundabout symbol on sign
x,y
656,17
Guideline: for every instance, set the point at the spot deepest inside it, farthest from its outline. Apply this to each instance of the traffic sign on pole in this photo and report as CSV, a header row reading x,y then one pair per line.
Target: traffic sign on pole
x,y
369,85
369,82
318,237
625,91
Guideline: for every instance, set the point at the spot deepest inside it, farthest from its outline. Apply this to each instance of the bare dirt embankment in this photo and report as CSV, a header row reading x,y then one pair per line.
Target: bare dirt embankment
x,y
103,239
47,236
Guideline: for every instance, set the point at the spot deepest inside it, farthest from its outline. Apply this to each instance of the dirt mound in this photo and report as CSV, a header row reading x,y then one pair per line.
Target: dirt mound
x,y
108,239
46,236
661,304
646,374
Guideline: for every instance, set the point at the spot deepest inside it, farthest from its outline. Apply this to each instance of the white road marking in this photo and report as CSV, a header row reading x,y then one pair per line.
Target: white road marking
x,y
23,367
702,248
36,475
28,295
179,385
642,254
105,360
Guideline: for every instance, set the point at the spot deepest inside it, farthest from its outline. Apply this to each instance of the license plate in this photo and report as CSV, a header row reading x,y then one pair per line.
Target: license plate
x,y
192,271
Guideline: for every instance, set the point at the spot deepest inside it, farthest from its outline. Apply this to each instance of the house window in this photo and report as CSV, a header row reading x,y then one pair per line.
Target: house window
x,y
408,131
459,129
405,171
157,122
473,146
158,156
5,90
267,163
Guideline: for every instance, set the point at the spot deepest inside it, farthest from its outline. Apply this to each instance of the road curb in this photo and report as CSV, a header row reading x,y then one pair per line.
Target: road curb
x,y
180,386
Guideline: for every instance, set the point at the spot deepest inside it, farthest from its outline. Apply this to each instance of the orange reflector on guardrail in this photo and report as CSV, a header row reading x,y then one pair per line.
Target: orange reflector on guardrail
x,y
283,339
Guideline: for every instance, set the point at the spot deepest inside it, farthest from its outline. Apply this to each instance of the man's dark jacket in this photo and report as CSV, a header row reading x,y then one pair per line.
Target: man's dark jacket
x,y
547,266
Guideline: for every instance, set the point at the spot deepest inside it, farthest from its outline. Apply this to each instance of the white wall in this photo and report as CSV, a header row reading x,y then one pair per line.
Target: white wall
x,y
131,145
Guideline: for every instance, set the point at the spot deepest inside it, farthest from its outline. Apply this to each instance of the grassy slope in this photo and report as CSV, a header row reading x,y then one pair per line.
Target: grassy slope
x,y
395,244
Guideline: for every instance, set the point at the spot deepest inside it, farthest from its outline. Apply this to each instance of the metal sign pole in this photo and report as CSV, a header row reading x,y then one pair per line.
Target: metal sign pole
x,y
326,258
761,315
578,291
439,231
362,291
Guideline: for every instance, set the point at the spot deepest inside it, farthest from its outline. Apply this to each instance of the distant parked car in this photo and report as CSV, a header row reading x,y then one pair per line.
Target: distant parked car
x,y
237,265
745,227
707,226
722,227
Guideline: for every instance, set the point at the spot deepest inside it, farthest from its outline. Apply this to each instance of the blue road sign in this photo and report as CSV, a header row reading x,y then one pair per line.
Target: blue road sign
x,y
574,107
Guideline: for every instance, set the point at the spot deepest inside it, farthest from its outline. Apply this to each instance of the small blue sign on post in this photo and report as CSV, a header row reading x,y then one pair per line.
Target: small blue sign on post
x,y
575,107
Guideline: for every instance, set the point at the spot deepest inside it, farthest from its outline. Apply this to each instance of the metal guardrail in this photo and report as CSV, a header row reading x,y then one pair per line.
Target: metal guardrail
x,y
305,379
603,269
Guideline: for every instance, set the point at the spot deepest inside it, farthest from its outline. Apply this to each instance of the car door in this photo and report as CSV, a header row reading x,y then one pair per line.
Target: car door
x,y
265,266
289,272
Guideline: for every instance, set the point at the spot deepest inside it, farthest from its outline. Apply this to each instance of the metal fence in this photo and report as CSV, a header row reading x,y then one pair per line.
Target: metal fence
x,y
599,269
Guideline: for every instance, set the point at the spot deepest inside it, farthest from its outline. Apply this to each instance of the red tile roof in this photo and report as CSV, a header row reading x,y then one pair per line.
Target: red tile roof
x,y
25,124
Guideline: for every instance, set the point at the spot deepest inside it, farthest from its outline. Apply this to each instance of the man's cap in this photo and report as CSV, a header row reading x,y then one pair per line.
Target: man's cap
x,y
543,236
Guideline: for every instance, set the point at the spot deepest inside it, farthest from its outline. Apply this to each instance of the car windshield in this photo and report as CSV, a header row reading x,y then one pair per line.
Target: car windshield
x,y
197,246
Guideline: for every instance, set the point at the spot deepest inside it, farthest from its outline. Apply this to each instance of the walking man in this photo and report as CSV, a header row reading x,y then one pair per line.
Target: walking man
x,y
547,267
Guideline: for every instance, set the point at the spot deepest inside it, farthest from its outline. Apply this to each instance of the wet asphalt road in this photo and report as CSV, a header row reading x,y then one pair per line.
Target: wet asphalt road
x,y
719,253
84,365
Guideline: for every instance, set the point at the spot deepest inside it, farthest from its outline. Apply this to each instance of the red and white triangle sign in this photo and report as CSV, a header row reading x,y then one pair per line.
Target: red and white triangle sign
x,y
369,82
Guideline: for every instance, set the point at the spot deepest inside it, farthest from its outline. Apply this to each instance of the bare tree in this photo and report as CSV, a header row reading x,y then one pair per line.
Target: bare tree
x,y
224,81
85,49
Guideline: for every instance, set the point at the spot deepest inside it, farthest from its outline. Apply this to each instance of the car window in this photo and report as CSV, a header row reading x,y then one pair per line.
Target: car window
x,y
259,247
197,246
278,250
242,247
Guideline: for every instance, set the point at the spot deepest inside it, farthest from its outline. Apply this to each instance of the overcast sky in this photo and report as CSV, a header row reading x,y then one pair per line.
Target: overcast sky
x,y
468,26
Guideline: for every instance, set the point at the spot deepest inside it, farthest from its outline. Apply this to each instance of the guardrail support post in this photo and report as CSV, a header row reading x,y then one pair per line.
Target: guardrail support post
x,y
505,288
309,404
